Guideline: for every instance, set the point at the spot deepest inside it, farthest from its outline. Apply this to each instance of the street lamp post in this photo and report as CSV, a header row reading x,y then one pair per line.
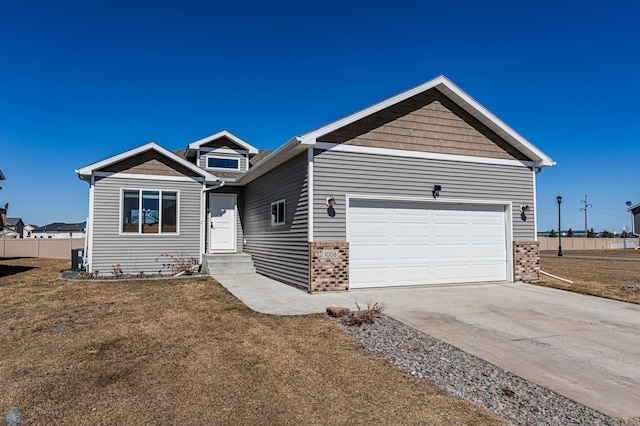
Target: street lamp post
x,y
559,198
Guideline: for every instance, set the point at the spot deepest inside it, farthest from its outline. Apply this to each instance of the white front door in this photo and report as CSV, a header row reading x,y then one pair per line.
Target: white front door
x,y
222,222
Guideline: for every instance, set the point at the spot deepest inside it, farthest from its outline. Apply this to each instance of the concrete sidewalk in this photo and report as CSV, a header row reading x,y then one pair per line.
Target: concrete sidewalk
x,y
583,347
268,296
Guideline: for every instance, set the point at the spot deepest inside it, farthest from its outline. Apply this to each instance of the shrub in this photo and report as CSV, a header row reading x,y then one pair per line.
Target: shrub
x,y
179,263
361,316
116,270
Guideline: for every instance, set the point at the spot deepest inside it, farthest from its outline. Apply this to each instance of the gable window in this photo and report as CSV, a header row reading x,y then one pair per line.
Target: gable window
x,y
278,212
149,212
223,163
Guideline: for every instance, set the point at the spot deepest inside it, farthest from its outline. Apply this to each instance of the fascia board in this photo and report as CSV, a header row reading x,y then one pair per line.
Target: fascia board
x,y
271,161
86,171
224,133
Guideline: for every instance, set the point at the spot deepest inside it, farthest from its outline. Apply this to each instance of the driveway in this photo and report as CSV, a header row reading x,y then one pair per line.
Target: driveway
x,y
583,347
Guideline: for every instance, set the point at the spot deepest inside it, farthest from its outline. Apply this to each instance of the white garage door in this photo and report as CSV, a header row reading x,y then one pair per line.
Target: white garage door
x,y
408,243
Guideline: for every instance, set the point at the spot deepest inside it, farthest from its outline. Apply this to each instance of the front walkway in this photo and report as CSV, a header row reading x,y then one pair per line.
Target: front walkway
x,y
582,347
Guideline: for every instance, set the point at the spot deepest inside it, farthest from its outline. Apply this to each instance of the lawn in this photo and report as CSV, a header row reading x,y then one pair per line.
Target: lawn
x,y
185,351
594,276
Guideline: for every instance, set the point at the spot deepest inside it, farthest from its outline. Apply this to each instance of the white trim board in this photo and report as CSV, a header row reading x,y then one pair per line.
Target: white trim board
x,y
419,154
121,175
223,133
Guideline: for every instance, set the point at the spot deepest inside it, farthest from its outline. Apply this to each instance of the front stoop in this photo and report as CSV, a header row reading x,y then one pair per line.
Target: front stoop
x,y
228,263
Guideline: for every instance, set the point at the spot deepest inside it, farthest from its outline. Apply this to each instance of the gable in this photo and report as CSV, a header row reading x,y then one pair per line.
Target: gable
x,y
426,122
148,163
223,143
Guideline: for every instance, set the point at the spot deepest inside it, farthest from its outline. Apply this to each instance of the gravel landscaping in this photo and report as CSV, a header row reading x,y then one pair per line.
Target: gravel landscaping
x,y
516,400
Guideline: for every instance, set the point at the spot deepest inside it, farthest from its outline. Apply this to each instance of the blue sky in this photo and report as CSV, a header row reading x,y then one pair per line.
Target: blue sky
x,y
81,81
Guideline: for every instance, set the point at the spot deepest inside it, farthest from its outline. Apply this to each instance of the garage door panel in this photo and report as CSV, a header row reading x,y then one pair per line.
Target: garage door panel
x,y
410,229
371,253
411,275
400,243
451,272
450,229
370,277
411,251
489,271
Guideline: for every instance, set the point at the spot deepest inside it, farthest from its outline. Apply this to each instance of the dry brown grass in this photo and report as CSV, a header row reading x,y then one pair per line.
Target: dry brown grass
x,y
186,351
598,277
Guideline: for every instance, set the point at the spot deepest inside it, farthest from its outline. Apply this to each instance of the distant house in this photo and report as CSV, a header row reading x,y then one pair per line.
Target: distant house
x,y
8,233
26,231
425,187
635,225
15,224
60,230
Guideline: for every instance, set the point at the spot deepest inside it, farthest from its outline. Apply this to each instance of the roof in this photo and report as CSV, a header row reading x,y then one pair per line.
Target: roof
x,y
62,227
86,171
13,221
301,143
222,134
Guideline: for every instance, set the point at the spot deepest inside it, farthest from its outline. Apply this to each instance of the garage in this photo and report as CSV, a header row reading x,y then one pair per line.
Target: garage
x,y
402,243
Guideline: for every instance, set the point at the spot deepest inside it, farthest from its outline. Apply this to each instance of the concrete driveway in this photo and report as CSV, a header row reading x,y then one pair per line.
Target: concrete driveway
x,y
583,347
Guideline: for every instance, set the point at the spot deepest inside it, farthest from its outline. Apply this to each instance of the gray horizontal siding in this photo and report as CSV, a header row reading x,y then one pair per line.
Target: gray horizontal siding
x,y
341,173
137,253
280,252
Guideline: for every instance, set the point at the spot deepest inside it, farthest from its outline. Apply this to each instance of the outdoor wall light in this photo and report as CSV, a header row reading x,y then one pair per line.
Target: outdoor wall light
x,y
436,191
331,201
524,208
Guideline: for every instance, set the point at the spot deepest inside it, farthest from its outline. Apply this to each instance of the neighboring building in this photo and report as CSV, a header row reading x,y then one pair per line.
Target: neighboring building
x,y
60,230
15,224
425,187
635,213
26,231
8,233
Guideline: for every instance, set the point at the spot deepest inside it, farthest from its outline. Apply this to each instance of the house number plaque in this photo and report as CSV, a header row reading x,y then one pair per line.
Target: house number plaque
x,y
331,254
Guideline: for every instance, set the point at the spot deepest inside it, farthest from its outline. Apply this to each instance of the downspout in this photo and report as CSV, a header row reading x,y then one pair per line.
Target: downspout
x,y
203,216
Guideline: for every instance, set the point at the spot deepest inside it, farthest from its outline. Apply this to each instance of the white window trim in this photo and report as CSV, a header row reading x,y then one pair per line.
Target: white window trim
x,y
222,158
140,233
284,219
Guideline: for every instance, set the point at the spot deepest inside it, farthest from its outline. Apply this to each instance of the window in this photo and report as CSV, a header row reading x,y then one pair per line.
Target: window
x,y
223,163
149,212
278,212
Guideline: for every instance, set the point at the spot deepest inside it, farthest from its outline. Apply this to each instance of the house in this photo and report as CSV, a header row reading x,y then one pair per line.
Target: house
x,y
425,187
26,231
635,215
15,224
60,230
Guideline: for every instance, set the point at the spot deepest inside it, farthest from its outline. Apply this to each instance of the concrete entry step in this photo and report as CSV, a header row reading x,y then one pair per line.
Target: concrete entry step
x,y
228,263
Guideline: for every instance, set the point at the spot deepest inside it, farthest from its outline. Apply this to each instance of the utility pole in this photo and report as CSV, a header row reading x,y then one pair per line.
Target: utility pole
x,y
584,209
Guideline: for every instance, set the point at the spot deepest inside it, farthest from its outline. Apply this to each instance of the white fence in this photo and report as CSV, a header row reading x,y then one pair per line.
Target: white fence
x,y
53,248
575,243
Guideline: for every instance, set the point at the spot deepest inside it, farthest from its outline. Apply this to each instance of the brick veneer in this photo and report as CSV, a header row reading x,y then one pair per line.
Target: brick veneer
x,y
328,274
526,261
